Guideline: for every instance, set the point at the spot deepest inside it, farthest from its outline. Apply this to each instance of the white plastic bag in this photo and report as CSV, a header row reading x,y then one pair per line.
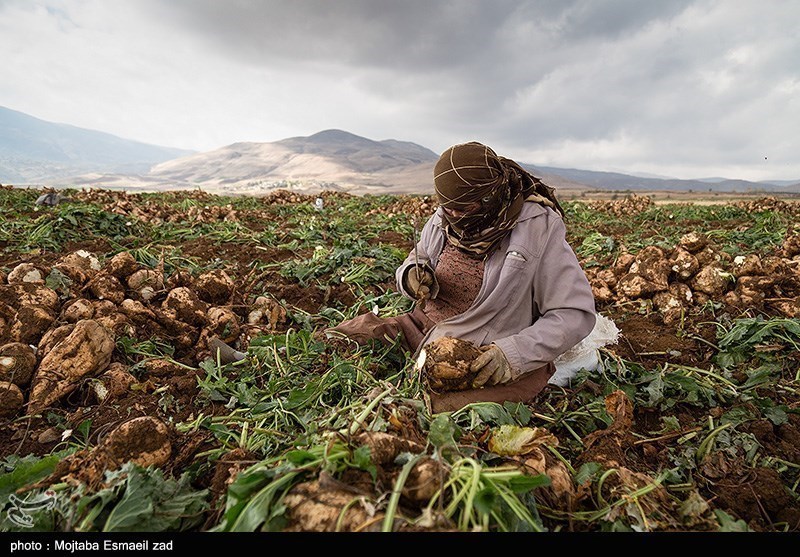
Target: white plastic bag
x,y
585,354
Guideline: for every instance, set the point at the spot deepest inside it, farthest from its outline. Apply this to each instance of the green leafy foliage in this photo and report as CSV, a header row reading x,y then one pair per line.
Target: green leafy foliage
x,y
151,503
742,340
297,404
18,472
133,499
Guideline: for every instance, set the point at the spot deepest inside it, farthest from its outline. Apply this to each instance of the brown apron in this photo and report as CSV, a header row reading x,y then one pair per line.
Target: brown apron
x,y
368,326
524,389
412,327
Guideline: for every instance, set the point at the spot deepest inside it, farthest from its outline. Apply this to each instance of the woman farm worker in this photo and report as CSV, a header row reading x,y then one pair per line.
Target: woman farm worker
x,y
492,266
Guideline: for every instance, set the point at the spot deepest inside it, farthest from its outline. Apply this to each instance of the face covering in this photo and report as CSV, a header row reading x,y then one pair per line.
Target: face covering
x,y
470,176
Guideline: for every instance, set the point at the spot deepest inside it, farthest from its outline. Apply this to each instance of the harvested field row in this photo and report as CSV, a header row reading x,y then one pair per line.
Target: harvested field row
x,y
109,385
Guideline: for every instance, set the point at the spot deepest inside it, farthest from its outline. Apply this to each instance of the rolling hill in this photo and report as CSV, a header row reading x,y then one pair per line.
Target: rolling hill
x,y
36,152
33,151
331,158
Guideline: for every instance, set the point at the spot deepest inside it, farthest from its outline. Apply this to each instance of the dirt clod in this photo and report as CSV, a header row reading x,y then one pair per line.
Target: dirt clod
x,y
445,363
144,441
25,272
84,352
11,400
122,265
17,362
214,287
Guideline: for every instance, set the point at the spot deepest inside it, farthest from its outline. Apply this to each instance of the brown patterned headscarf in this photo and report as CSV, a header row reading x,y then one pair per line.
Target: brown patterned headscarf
x,y
472,176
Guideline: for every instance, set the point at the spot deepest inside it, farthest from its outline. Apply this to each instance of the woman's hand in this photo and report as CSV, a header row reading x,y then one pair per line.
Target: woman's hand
x,y
492,367
419,280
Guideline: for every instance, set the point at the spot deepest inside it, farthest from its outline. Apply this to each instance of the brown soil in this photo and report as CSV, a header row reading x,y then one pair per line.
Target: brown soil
x,y
169,392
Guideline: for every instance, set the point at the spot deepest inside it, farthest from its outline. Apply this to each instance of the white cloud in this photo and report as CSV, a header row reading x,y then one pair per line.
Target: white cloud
x,y
683,88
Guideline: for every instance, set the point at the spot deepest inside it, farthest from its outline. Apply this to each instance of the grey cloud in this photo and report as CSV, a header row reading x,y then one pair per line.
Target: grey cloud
x,y
410,34
610,19
667,81
592,70
477,55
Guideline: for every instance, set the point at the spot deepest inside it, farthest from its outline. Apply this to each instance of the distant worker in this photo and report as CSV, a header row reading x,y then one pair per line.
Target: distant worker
x,y
493,267
51,199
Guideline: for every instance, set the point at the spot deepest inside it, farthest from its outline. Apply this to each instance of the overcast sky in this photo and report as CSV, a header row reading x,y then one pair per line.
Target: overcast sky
x,y
682,88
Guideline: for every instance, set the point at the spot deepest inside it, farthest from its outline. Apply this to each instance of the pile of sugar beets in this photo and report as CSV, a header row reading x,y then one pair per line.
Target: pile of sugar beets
x,y
695,272
59,326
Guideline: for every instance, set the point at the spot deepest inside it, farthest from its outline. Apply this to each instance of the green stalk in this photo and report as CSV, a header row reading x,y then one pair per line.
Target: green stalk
x,y
474,486
343,512
705,445
710,374
572,432
784,462
600,483
514,504
459,488
592,516
369,408
560,457
248,518
394,500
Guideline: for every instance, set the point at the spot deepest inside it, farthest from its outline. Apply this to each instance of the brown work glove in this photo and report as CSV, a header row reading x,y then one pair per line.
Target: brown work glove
x,y
491,366
420,288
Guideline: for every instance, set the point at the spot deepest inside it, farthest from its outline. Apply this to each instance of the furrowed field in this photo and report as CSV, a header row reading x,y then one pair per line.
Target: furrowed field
x,y
115,417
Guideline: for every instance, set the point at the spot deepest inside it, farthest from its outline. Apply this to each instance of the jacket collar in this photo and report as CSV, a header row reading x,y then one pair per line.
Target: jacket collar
x,y
531,209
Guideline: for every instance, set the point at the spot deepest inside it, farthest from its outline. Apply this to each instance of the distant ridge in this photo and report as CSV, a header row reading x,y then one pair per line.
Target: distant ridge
x,y
329,159
617,181
359,153
34,151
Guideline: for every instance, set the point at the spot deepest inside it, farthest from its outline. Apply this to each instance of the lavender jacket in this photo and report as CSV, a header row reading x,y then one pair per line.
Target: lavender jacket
x,y
535,301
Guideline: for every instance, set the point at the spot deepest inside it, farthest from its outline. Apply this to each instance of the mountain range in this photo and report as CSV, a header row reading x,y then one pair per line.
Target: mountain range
x,y
34,152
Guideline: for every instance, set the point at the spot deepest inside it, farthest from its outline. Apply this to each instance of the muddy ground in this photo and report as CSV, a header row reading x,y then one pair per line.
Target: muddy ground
x,y
666,302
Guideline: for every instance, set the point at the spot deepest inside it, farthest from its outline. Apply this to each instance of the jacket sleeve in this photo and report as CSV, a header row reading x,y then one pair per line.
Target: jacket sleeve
x,y
422,250
566,305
